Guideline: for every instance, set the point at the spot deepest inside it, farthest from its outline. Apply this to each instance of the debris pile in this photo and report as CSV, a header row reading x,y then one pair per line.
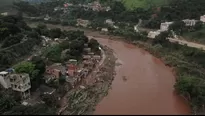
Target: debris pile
x,y
83,101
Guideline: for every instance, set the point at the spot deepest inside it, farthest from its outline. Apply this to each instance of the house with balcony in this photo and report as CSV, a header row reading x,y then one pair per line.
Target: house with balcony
x,y
21,83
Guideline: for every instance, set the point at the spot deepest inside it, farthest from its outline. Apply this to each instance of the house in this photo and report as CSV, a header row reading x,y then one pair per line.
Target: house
x,y
202,18
97,57
21,83
91,53
73,61
71,70
4,14
165,26
54,72
109,22
87,49
83,23
107,8
189,22
4,79
47,18
104,30
153,34
86,57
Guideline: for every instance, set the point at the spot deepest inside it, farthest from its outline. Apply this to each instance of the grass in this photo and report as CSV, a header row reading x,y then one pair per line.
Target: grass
x,y
130,4
197,36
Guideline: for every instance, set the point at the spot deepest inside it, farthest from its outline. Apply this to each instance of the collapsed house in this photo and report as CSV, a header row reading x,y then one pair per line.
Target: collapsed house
x,y
19,83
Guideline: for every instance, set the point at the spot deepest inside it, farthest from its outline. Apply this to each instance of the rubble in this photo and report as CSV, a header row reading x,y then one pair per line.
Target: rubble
x,y
83,101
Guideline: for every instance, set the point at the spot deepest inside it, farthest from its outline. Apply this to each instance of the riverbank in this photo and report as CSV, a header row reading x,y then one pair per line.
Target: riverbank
x,y
83,101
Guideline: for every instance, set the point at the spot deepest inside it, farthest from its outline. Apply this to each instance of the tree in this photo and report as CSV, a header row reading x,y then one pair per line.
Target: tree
x,y
161,38
198,25
24,67
94,45
178,27
55,33
6,102
38,109
39,64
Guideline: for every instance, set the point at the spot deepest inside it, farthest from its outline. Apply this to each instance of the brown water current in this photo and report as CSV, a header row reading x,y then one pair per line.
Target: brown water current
x,y
142,85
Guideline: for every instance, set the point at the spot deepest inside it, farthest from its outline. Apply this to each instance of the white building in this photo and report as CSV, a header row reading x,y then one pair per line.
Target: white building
x,y
21,83
4,14
153,34
104,30
4,79
189,22
202,18
165,26
109,22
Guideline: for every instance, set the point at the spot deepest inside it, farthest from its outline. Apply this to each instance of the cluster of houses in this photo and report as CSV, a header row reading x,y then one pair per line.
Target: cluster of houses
x,y
72,71
165,26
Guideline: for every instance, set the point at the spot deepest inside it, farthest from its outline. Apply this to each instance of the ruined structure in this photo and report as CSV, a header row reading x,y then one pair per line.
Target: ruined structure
x,y
21,83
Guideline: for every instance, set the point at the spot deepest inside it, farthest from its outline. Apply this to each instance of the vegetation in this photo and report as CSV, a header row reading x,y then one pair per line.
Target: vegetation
x,y
132,4
38,109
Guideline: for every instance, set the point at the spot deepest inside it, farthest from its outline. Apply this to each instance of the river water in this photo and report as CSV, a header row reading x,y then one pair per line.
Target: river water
x,y
142,85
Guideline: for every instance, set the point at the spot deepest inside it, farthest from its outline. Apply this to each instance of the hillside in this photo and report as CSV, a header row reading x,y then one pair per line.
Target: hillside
x,y
130,4
5,4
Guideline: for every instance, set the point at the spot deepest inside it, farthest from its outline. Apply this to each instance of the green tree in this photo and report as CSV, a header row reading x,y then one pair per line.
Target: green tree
x,y
38,109
55,33
6,102
24,67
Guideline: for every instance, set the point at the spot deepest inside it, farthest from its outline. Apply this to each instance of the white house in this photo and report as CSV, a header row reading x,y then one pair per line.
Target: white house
x,y
4,79
4,14
153,34
109,22
104,29
165,26
202,18
189,22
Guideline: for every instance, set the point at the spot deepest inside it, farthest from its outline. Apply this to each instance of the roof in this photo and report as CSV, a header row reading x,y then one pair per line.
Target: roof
x,y
3,73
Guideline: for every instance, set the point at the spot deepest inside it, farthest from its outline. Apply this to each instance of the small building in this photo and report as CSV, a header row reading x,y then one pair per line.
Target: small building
x,y
202,18
86,57
73,61
21,83
153,34
4,14
97,57
83,23
165,26
87,49
109,22
104,30
189,22
71,70
4,79
54,72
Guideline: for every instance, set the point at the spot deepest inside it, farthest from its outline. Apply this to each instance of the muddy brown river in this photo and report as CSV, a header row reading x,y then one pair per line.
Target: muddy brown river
x,y
142,85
